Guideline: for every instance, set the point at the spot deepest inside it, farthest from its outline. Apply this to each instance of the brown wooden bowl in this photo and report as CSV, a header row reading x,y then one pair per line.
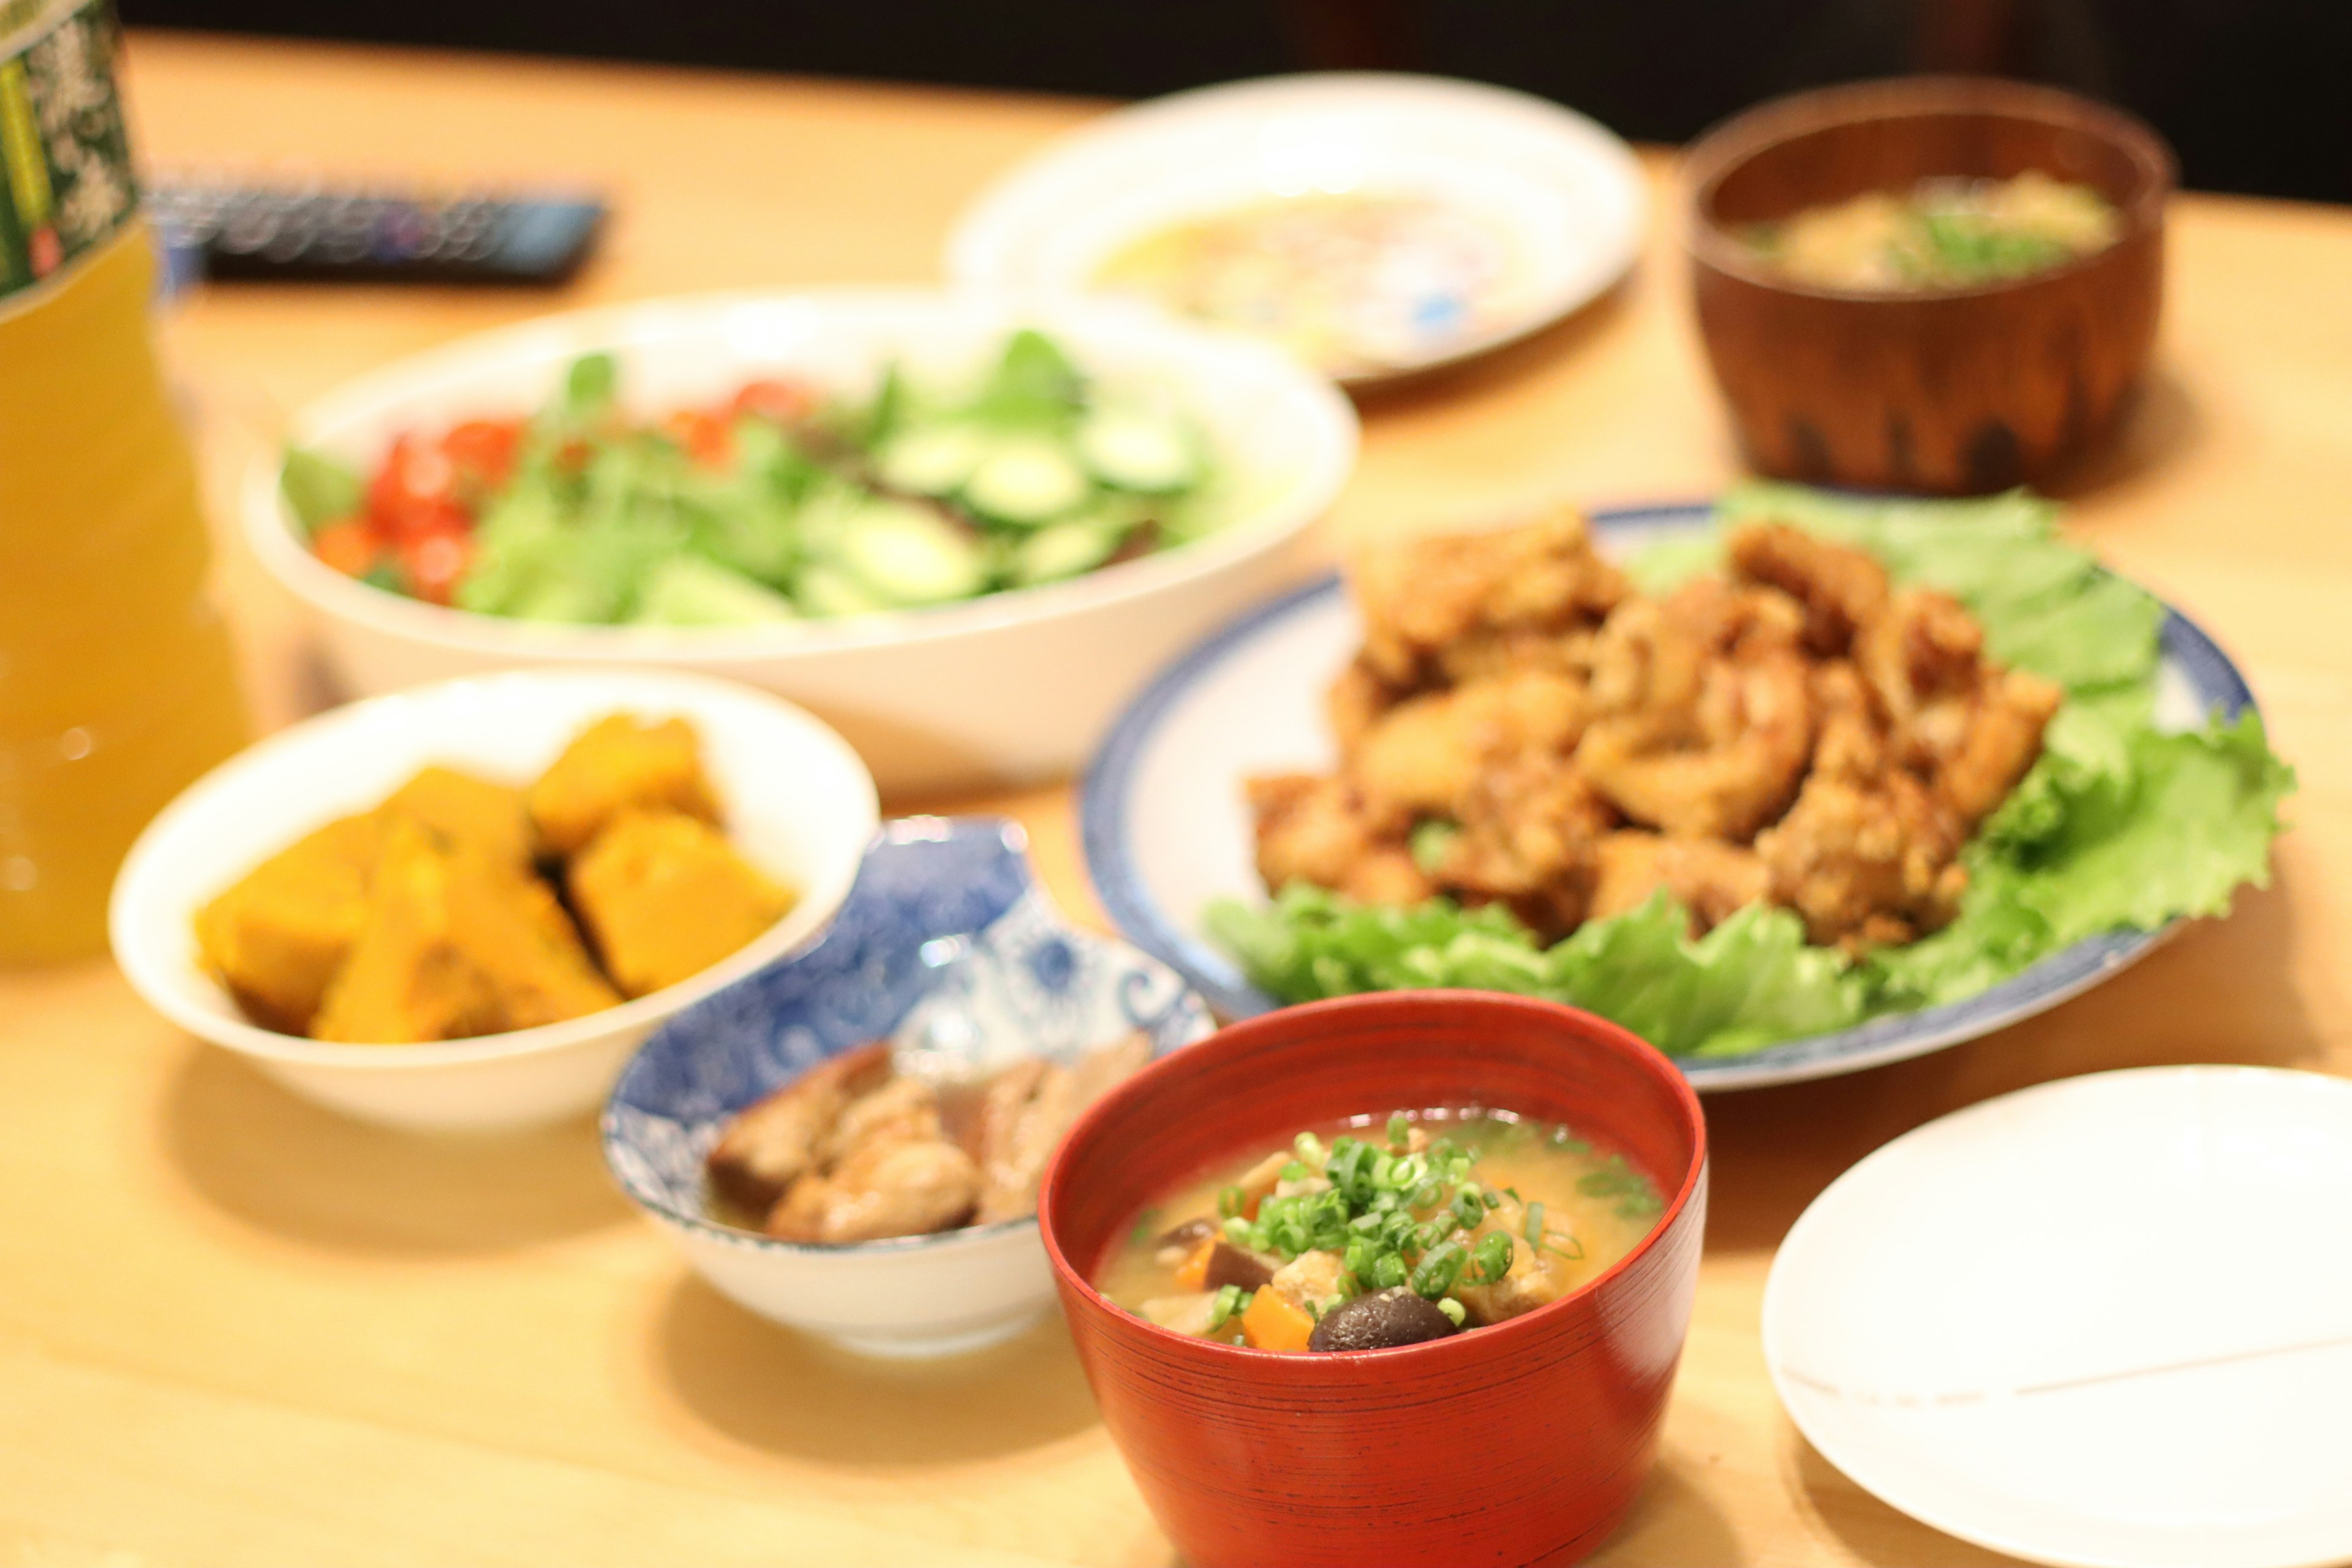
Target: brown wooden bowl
x,y
1953,390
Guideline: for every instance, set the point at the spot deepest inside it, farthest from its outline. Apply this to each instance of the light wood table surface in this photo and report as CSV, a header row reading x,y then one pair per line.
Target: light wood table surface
x,y
235,1330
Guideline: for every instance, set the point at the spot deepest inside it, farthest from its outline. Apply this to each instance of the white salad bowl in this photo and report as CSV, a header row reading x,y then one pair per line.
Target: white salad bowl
x,y
947,949
1013,686
798,804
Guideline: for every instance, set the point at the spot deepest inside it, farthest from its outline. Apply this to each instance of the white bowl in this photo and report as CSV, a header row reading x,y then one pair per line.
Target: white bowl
x,y
799,804
948,948
1012,687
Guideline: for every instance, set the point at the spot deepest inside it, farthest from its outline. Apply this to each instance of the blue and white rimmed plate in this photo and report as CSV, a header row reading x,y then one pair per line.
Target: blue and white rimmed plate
x,y
1167,829
947,948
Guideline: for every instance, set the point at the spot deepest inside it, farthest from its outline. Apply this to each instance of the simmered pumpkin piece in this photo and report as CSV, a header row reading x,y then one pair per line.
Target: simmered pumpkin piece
x,y
664,897
618,764
465,809
276,936
456,945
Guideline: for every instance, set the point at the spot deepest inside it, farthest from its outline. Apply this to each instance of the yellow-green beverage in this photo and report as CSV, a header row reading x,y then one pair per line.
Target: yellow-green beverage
x,y
117,685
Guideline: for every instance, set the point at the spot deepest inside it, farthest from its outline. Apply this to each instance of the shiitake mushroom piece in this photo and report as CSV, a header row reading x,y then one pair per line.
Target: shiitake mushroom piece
x,y
1237,1266
1382,1321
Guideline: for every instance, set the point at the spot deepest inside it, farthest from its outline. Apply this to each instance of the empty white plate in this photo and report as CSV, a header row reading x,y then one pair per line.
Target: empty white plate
x,y
2105,1321
1556,203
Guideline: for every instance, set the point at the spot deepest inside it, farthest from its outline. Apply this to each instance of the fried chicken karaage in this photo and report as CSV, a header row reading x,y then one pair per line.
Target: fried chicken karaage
x,y
1796,729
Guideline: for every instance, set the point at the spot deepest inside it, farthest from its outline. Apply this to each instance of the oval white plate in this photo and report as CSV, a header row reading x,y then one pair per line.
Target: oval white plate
x,y
1566,197
2105,1321
1167,830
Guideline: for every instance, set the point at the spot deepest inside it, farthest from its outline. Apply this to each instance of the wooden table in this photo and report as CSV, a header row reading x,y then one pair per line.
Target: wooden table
x,y
237,1330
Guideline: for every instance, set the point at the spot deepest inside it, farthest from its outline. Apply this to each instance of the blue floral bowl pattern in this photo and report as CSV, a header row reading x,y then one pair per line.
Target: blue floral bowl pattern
x,y
945,947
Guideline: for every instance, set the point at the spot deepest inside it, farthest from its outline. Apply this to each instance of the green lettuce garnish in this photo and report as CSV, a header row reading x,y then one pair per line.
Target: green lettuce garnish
x,y
2119,826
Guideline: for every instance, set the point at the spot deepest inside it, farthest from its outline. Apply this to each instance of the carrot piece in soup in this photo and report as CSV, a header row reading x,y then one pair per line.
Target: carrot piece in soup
x,y
1273,1322
1192,1274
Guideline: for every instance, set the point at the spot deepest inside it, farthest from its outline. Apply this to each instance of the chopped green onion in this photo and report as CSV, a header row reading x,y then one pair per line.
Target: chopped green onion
x,y
1492,1257
1147,1226
1454,1310
1309,1148
1400,1132
1230,1298
1438,1270
1535,1226
1230,1201
1388,1271
1237,1231
1295,1171
1468,1209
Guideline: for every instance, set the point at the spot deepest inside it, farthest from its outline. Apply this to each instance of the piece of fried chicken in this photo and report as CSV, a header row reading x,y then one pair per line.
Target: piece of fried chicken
x,y
1324,830
1703,723
1460,595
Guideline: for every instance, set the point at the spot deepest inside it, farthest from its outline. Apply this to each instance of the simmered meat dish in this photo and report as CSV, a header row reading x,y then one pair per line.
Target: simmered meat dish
x,y
1366,1236
854,1149
1522,728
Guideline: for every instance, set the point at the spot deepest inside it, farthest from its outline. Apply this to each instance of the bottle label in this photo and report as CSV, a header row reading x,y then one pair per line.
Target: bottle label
x,y
65,182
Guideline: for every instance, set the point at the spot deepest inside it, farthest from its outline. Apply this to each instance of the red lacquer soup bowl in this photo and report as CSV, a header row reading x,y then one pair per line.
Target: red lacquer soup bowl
x,y
1522,1442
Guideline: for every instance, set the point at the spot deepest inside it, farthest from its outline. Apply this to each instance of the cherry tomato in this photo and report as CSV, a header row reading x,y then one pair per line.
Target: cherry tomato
x,y
482,451
433,561
350,547
782,401
414,490
707,438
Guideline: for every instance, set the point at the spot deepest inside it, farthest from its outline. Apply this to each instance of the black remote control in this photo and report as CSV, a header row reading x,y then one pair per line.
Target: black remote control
x,y
314,234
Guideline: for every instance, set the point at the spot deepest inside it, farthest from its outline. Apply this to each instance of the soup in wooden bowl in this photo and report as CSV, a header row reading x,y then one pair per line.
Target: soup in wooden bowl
x,y
1400,1278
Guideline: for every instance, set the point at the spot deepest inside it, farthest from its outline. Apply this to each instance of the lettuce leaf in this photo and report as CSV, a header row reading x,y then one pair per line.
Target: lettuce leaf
x,y
1749,981
2118,826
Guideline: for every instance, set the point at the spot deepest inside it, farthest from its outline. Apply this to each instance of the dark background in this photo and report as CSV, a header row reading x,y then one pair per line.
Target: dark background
x,y
2255,94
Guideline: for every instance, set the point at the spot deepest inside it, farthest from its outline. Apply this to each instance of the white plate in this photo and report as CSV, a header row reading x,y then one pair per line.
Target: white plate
x,y
1167,829
2107,1321
1567,198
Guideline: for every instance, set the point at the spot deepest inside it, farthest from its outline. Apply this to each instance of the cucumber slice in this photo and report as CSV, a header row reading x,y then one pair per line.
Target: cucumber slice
x,y
1026,482
909,554
1065,550
690,591
1132,450
931,459
828,591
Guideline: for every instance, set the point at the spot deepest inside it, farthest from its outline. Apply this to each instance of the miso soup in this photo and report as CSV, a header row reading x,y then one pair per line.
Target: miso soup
x,y
1940,233
1371,1233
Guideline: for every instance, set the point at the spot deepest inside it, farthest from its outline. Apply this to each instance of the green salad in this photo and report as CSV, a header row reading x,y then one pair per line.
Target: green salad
x,y
778,502
2119,825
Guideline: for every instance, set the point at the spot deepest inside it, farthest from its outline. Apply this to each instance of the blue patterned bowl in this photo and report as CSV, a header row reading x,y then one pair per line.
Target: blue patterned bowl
x,y
947,948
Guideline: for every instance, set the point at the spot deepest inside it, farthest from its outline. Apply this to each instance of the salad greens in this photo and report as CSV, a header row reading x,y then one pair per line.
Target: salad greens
x,y
2119,825
779,505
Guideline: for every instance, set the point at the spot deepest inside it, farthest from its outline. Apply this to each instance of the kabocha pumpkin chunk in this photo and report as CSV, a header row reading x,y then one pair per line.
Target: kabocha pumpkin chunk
x,y
454,946
664,897
618,764
465,809
276,936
